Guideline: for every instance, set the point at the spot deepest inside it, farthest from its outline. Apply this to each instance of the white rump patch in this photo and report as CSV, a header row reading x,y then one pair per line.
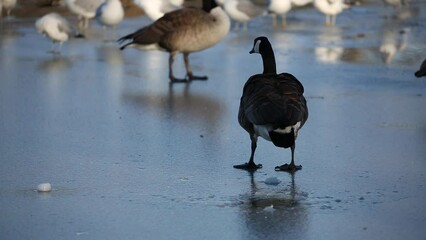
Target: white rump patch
x,y
288,129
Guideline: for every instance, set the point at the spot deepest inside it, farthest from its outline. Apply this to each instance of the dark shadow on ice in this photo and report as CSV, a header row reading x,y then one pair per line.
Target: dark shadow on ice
x,y
182,106
110,54
271,212
55,64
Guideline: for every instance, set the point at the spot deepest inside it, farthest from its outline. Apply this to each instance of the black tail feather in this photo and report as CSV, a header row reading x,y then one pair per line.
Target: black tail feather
x,y
282,140
125,38
125,45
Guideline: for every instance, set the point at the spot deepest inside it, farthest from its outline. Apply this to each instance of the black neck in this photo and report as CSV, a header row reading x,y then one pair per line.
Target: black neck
x,y
268,58
208,5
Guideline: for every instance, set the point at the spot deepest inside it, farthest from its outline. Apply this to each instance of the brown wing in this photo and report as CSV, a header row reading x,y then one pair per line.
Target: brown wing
x,y
275,100
168,27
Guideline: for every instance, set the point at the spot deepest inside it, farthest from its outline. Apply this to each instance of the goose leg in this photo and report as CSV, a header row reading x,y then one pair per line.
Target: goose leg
x,y
289,167
189,74
171,76
250,166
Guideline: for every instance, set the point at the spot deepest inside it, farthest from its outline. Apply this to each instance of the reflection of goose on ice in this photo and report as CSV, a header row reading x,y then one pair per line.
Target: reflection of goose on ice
x,y
270,212
184,107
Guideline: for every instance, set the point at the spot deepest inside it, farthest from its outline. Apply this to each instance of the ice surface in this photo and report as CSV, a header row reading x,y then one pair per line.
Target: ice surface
x,y
132,157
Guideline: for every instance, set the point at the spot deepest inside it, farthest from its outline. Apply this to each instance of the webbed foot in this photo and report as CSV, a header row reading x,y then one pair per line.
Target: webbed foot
x,y
248,166
288,168
191,77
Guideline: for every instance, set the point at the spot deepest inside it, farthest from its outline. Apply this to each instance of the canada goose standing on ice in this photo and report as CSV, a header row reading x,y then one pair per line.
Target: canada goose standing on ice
x,y
272,106
185,30
155,9
57,28
422,71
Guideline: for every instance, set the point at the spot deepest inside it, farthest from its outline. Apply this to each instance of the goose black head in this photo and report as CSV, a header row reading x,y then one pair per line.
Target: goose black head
x,y
208,5
260,44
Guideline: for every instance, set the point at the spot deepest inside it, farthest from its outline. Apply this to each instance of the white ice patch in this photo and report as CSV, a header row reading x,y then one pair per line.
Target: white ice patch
x,y
272,181
288,129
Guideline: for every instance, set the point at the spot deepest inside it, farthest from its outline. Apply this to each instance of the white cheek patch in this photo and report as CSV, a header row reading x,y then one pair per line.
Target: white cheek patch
x,y
256,46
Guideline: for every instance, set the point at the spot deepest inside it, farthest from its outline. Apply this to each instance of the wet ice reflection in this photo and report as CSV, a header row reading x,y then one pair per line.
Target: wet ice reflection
x,y
273,212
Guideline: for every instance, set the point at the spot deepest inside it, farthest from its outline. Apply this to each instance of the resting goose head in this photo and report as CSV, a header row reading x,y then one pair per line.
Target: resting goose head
x,y
262,46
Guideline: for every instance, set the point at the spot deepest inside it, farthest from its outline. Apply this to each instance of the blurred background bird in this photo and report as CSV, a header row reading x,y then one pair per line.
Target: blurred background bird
x,y
279,8
243,11
7,5
57,28
330,8
155,9
110,13
84,9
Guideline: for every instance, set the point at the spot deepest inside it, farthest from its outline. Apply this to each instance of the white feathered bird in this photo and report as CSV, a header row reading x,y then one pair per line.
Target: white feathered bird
x,y
155,9
110,13
331,8
57,28
84,9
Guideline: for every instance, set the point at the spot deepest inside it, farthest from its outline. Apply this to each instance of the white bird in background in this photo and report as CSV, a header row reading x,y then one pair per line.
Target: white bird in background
x,y
279,8
110,13
84,9
8,5
57,28
301,3
155,9
331,8
242,11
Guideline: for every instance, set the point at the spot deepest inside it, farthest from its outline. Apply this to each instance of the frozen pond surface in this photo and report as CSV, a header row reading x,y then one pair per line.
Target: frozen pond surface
x,y
131,157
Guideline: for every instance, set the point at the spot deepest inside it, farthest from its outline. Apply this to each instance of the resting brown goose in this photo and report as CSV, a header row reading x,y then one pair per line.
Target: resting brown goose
x,y
422,70
185,30
272,106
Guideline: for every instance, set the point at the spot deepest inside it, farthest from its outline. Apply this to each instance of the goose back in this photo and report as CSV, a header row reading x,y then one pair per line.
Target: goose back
x,y
272,102
184,30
